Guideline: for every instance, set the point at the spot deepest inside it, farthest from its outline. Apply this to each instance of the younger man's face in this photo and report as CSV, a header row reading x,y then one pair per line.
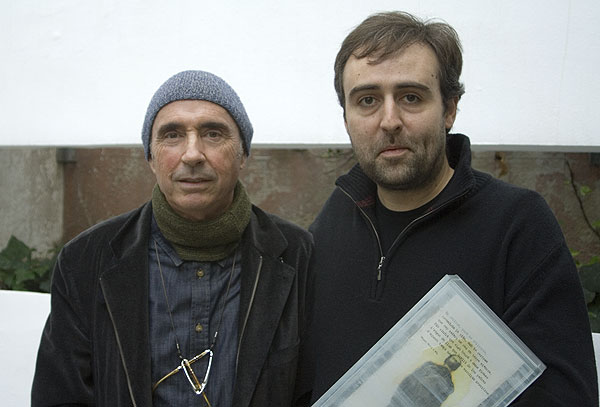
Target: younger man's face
x,y
396,118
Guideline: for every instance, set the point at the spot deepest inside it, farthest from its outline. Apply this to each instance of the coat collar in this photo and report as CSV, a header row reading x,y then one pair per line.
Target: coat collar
x,y
266,285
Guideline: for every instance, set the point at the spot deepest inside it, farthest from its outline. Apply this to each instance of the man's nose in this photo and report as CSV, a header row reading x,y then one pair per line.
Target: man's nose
x,y
391,120
193,153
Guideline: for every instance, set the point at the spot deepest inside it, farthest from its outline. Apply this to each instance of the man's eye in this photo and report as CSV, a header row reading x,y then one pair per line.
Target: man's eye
x,y
213,135
411,98
171,135
367,101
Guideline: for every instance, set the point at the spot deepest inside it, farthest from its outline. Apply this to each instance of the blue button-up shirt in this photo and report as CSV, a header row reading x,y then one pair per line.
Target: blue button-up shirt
x,y
195,292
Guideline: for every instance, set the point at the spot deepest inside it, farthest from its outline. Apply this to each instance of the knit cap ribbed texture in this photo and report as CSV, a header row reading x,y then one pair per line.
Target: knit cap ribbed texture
x,y
198,85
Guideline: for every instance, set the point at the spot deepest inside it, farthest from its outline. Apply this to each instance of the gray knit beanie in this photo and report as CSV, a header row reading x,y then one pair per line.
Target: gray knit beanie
x,y
198,85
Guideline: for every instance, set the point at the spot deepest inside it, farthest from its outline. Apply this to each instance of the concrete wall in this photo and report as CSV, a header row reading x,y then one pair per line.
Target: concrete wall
x,y
31,197
103,182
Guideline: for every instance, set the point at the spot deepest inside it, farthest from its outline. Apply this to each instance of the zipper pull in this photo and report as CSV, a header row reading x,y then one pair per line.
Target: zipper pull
x,y
379,268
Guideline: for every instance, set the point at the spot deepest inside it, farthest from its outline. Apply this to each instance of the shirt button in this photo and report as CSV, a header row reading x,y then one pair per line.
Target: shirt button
x,y
199,327
200,273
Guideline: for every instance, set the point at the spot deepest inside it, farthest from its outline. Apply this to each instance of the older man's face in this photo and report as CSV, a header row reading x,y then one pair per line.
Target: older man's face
x,y
197,156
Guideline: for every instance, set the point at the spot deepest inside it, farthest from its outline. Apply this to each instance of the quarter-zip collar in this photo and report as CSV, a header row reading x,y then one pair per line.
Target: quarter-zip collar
x,y
363,192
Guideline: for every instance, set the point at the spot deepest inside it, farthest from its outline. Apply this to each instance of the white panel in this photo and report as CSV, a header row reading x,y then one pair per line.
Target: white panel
x,y
82,73
23,316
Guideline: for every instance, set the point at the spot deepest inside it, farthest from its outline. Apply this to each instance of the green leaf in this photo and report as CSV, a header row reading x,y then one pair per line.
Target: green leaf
x,y
20,271
45,285
9,281
588,295
16,251
590,277
23,274
584,190
594,308
595,323
596,225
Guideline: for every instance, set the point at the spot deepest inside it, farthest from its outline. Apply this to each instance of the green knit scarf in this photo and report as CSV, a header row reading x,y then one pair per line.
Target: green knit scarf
x,y
209,240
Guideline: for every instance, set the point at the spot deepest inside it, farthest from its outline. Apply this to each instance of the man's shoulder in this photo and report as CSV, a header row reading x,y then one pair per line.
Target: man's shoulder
x,y
106,229
506,193
285,226
525,209
83,257
336,212
279,238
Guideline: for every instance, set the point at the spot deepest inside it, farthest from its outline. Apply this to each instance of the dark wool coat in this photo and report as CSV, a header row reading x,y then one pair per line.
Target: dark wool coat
x,y
95,347
503,241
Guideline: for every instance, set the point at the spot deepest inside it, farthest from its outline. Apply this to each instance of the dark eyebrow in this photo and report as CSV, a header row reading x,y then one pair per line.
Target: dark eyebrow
x,y
361,88
174,126
402,85
167,127
416,85
214,126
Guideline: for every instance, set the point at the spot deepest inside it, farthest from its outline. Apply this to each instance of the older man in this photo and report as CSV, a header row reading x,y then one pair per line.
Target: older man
x,y
414,210
195,298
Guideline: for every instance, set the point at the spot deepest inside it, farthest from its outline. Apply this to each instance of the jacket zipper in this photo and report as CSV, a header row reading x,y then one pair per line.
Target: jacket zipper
x,y
237,357
112,320
379,266
382,257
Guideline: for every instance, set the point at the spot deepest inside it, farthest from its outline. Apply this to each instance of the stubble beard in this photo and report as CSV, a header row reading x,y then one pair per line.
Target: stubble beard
x,y
417,169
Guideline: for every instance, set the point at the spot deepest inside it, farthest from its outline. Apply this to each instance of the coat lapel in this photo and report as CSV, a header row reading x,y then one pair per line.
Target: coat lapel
x,y
125,290
266,285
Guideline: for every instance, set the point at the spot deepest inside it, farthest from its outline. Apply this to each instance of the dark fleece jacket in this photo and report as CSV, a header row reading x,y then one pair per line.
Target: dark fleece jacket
x,y
502,240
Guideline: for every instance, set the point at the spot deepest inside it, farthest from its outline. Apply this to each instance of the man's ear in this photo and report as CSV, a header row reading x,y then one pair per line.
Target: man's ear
x,y
450,113
151,164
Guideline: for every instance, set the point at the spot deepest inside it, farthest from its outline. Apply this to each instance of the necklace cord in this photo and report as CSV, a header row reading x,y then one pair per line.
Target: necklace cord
x,y
223,300
162,279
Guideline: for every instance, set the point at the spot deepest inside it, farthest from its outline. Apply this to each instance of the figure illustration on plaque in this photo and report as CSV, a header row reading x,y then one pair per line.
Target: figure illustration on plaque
x,y
428,386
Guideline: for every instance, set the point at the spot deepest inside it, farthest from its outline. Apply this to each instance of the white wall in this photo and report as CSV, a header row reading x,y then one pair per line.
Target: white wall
x,y
82,72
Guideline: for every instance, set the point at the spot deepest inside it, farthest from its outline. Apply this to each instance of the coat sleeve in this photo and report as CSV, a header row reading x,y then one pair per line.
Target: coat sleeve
x,y
304,375
63,374
546,309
